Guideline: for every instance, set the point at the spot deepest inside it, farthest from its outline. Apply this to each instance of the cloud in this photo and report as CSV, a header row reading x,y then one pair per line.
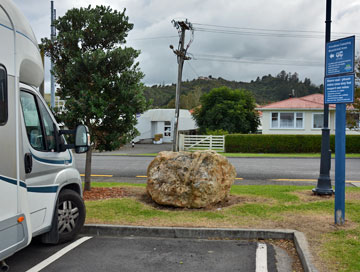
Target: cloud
x,y
249,47
351,10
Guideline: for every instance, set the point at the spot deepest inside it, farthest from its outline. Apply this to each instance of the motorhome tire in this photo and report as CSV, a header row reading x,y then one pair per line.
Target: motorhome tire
x,y
71,215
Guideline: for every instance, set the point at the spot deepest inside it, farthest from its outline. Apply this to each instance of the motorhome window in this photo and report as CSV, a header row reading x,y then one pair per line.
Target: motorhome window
x,y
48,126
32,121
3,97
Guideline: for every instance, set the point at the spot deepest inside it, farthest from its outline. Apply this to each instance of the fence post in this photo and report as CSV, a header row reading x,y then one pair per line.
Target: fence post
x,y
181,142
223,143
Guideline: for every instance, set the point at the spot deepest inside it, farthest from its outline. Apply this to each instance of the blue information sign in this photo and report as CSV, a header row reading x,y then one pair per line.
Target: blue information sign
x,y
339,89
340,56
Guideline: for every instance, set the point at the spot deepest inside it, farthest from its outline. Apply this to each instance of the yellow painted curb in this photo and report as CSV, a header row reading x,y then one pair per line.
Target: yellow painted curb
x,y
106,176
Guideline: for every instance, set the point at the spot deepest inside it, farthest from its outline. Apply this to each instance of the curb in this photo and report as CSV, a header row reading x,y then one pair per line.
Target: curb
x,y
229,157
299,238
123,155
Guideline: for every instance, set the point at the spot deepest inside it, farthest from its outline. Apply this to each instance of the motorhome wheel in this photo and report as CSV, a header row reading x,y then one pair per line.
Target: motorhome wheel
x,y
71,215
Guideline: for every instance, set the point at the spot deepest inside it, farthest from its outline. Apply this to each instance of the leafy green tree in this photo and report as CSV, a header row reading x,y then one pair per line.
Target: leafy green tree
x,y
227,109
354,114
97,76
187,101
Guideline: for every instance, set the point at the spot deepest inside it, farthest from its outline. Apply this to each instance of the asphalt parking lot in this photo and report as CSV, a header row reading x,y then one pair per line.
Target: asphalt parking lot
x,y
148,254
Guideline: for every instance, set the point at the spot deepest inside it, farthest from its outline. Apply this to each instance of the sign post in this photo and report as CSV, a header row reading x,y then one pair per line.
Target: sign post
x,y
339,90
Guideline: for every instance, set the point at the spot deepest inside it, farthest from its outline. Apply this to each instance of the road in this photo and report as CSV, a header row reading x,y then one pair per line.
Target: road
x,y
258,169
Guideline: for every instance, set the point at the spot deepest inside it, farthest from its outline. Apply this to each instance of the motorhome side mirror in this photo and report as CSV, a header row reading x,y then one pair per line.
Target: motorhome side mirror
x,y
82,139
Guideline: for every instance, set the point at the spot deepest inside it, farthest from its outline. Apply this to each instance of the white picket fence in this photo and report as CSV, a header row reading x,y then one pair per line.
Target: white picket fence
x,y
201,142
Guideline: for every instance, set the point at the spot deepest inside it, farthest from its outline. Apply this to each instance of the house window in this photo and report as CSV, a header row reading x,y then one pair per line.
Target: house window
x,y
3,97
274,120
167,129
287,120
318,120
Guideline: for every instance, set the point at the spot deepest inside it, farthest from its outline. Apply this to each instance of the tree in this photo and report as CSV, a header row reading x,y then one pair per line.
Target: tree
x,y
354,115
227,109
282,75
97,76
187,101
307,82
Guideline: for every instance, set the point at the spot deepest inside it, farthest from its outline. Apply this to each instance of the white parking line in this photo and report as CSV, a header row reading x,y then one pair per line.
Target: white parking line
x,y
58,255
261,258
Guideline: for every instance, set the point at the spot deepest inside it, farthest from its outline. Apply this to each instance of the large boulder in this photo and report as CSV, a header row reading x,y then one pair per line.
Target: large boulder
x,y
191,180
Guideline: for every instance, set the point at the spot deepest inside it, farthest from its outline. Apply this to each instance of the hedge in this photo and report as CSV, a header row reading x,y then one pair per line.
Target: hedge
x,y
259,143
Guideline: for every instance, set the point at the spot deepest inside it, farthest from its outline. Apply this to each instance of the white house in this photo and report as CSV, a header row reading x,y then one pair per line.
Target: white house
x,y
161,121
298,115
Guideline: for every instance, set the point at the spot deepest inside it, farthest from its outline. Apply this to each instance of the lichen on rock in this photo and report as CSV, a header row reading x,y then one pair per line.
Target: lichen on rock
x,y
189,179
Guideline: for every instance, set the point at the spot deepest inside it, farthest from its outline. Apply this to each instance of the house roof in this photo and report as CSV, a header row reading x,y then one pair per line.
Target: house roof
x,y
313,101
159,115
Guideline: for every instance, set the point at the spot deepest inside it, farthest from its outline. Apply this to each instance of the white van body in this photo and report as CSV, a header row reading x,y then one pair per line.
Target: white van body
x,y
34,177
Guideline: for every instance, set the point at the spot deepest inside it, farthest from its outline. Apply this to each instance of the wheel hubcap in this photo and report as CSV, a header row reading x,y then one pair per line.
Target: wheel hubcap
x,y
67,215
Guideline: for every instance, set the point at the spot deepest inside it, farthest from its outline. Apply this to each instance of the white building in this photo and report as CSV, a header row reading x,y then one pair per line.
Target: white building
x,y
161,121
300,115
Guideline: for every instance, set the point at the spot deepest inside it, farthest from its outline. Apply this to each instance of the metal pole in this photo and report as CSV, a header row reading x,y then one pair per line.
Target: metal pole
x,y
324,182
180,58
52,80
340,139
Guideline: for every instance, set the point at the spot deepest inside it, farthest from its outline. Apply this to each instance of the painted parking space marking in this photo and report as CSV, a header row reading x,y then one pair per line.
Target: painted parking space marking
x,y
261,258
58,254
311,180
239,178
105,176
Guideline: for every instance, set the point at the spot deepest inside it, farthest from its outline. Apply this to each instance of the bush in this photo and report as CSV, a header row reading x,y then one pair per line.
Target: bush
x,y
216,132
258,143
157,137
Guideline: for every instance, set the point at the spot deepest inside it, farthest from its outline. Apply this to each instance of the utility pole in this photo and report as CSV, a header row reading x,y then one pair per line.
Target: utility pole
x,y
324,182
181,56
52,36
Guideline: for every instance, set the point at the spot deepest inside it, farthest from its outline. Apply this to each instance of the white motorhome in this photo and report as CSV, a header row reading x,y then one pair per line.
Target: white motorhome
x,y
40,190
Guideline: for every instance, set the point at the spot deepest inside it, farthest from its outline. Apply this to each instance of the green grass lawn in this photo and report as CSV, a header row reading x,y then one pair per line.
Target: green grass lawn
x,y
335,248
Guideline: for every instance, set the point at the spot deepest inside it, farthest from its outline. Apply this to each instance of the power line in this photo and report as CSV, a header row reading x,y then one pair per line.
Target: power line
x,y
153,38
255,58
274,30
192,68
254,62
263,34
263,61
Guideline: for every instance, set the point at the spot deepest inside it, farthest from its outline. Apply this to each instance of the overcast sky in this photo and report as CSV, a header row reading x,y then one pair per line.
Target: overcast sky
x,y
233,39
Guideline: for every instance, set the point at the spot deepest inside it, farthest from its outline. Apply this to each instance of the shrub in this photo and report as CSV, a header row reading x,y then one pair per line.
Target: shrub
x,y
216,132
157,137
259,143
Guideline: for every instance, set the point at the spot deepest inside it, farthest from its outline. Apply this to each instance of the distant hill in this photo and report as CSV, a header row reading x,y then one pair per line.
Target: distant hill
x,y
266,89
